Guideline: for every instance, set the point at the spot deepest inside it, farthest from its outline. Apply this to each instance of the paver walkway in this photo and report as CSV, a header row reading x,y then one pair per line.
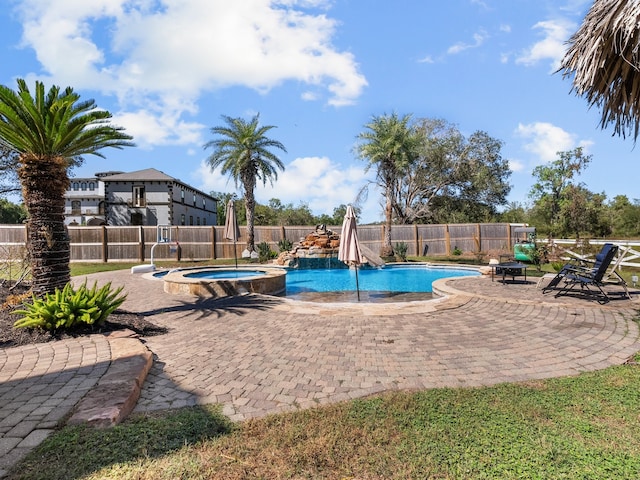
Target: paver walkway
x,y
259,355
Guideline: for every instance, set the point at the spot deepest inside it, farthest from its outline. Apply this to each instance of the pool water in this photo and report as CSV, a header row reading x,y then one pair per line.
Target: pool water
x,y
392,278
219,274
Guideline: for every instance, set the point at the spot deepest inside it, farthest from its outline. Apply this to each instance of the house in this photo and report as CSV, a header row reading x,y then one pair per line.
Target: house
x,y
144,197
85,202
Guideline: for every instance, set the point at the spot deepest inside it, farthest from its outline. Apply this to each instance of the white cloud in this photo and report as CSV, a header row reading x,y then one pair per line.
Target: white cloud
x,y
516,166
545,140
150,130
309,96
478,39
552,46
168,53
426,59
316,181
480,3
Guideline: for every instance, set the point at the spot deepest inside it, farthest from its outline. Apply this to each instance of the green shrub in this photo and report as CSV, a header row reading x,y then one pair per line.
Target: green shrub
x,y
285,245
69,308
264,252
456,251
401,250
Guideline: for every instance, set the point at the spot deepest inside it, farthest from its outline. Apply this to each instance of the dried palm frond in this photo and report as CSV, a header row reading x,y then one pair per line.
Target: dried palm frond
x,y
604,60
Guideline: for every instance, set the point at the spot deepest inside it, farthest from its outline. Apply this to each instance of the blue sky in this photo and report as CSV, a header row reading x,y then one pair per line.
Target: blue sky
x,y
318,70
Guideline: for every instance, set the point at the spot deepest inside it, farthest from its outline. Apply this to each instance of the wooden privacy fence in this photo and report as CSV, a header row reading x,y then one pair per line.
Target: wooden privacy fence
x,y
127,244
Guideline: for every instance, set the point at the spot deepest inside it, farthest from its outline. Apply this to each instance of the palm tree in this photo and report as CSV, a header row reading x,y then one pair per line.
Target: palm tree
x,y
389,145
242,150
51,132
604,60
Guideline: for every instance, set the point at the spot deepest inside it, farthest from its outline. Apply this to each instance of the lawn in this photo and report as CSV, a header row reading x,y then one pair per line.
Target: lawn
x,y
584,427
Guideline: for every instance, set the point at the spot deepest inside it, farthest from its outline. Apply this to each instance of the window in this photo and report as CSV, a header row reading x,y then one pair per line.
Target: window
x,y
204,221
190,219
136,218
76,185
182,196
198,220
194,199
101,208
75,207
138,197
92,186
204,204
83,186
182,219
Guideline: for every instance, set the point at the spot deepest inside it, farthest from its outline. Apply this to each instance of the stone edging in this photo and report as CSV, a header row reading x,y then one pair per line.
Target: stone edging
x,y
117,392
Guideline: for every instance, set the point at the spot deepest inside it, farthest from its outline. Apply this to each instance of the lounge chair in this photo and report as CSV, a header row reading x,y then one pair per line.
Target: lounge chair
x,y
579,265
587,276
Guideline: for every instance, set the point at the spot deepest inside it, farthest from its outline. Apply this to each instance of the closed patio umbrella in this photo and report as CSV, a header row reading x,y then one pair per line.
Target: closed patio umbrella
x,y
349,250
231,230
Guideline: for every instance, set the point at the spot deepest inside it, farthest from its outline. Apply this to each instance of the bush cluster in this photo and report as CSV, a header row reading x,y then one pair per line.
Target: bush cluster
x,y
265,253
401,250
69,308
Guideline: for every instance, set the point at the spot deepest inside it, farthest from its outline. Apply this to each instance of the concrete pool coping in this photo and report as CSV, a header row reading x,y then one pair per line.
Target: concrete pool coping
x,y
271,281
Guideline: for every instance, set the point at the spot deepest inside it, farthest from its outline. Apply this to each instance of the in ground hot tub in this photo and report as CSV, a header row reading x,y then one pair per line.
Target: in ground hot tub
x,y
216,282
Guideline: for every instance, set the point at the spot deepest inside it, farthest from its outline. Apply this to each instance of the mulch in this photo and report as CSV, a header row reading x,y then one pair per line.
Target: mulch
x,y
10,297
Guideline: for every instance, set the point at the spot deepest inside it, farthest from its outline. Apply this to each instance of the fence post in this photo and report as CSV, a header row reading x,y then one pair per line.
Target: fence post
x,y
447,240
105,244
415,232
178,246
141,242
213,242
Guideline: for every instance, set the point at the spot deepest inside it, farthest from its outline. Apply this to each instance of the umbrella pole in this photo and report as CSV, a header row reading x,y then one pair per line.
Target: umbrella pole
x,y
235,254
357,284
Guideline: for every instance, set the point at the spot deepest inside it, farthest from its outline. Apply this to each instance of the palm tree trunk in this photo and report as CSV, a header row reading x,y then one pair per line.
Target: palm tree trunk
x,y
387,249
44,182
250,206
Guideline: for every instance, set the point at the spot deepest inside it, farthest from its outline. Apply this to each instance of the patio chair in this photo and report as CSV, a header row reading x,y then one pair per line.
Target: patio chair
x,y
579,265
587,277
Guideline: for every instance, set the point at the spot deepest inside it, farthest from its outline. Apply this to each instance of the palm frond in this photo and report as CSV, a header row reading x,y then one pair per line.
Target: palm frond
x,y
603,60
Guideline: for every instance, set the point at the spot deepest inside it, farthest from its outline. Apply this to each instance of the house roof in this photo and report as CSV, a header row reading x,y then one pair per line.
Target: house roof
x,y
149,174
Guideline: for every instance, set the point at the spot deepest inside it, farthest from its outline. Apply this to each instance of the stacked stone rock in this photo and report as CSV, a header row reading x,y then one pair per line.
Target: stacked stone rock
x,y
321,243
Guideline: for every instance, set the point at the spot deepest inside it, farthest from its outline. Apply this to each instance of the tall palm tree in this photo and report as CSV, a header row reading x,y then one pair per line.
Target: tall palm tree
x,y
242,150
389,144
51,132
604,61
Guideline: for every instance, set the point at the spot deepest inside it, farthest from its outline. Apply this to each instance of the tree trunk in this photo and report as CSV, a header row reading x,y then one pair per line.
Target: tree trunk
x,y
250,204
44,182
387,249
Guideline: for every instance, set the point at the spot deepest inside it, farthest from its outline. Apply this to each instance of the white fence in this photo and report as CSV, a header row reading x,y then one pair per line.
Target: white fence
x,y
628,250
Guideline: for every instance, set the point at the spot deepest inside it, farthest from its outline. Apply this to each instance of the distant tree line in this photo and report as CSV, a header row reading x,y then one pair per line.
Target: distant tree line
x,y
559,206
563,207
276,213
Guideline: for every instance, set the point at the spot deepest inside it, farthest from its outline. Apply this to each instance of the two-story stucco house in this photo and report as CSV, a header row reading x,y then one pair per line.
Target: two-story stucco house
x,y
144,197
84,202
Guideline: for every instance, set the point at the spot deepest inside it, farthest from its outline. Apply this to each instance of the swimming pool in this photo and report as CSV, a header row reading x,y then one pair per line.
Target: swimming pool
x,y
222,274
396,282
391,278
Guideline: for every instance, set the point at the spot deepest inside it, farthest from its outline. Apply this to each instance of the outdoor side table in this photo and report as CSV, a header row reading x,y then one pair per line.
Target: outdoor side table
x,y
511,269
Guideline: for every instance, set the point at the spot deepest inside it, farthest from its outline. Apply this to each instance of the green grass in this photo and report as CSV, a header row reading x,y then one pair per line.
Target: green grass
x,y
82,268
583,427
